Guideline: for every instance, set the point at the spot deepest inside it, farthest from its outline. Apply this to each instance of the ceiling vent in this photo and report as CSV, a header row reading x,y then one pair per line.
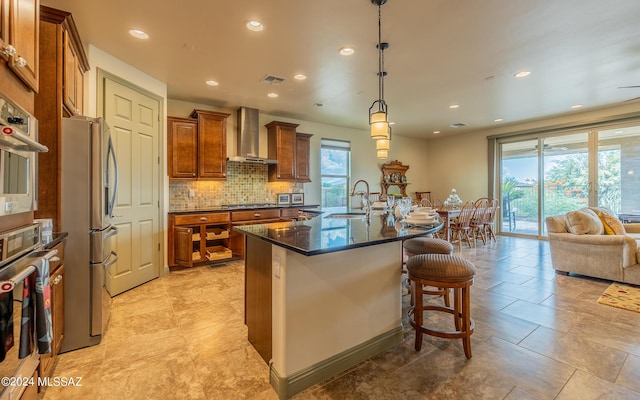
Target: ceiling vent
x,y
273,80
458,125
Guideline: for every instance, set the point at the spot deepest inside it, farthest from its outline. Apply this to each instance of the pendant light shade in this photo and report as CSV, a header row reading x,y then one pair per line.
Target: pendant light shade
x,y
378,113
382,144
382,154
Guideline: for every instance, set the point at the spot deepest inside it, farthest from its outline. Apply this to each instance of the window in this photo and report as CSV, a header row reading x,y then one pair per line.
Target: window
x,y
335,163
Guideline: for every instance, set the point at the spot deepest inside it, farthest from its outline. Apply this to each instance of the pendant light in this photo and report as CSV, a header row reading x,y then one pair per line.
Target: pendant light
x,y
378,115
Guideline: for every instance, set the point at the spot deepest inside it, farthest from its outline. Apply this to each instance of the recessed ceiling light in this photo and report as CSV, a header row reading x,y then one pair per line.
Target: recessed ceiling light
x,y
522,74
138,34
255,26
273,95
347,51
576,106
212,83
436,132
453,106
498,120
300,77
318,104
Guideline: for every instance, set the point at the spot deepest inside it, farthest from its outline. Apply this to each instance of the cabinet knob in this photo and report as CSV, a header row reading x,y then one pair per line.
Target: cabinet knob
x,y
57,279
54,259
257,215
193,174
9,51
203,218
21,62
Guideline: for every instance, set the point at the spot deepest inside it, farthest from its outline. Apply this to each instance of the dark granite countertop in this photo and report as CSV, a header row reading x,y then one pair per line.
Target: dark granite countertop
x,y
324,234
238,207
56,238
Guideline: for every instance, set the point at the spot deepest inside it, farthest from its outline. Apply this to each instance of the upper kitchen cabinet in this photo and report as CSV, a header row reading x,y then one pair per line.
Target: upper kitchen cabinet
x,y
19,32
303,151
182,145
61,55
291,149
197,147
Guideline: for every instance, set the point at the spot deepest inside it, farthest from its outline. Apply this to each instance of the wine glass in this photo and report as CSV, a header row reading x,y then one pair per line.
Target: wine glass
x,y
391,200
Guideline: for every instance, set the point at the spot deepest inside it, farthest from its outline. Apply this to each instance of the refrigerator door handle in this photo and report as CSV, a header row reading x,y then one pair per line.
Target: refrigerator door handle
x,y
112,231
112,201
108,264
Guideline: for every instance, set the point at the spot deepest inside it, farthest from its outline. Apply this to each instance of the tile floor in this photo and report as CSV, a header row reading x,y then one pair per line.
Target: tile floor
x,y
538,336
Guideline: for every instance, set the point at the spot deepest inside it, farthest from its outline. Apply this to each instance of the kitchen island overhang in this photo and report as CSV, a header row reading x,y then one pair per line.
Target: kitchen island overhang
x,y
323,295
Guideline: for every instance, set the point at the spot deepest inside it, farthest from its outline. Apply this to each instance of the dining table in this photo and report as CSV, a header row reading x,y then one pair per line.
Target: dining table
x,y
447,214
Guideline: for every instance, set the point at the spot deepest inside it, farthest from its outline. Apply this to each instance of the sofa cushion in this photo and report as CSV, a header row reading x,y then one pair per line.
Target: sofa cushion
x,y
584,222
611,224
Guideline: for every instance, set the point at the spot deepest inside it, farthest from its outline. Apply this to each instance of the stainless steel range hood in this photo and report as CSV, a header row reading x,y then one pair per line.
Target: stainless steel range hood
x,y
249,138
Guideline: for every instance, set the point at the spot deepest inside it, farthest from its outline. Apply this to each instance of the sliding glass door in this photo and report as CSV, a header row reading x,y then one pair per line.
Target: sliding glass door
x,y
554,173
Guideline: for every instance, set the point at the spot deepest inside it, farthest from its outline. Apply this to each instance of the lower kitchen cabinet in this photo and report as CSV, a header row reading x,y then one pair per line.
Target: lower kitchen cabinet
x,y
56,284
258,216
198,238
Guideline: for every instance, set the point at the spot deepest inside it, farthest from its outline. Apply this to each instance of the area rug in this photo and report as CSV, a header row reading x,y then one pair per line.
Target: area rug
x,y
621,296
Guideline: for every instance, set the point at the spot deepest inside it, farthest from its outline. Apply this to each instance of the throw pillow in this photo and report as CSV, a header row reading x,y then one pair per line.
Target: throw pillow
x,y
612,225
584,222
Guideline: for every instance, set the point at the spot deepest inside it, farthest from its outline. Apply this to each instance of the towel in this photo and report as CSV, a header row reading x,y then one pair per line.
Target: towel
x,y
36,311
6,323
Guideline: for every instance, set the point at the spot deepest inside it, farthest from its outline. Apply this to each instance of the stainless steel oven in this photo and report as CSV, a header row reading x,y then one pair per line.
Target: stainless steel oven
x,y
20,256
18,158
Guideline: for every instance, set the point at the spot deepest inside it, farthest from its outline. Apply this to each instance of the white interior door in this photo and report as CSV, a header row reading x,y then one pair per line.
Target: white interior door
x,y
134,119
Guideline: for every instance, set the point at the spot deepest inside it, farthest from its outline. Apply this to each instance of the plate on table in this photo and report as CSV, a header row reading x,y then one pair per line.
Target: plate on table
x,y
420,221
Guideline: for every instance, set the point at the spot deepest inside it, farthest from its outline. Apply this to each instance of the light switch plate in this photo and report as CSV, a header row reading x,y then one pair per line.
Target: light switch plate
x,y
275,262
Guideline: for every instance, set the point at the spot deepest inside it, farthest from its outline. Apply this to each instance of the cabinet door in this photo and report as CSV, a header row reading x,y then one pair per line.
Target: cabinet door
x,y
69,80
212,145
4,28
24,28
184,246
182,145
282,147
303,150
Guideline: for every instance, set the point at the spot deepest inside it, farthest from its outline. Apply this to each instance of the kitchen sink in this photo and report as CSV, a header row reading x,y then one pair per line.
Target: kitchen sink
x,y
346,215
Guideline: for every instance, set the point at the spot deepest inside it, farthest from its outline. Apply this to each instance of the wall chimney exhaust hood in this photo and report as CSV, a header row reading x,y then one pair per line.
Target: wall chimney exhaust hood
x,y
249,138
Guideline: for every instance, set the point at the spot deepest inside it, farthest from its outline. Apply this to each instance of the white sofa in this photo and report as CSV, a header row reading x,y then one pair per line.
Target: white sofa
x,y
614,257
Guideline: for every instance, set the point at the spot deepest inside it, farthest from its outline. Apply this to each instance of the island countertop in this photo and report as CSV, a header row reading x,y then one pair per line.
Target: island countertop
x,y
325,234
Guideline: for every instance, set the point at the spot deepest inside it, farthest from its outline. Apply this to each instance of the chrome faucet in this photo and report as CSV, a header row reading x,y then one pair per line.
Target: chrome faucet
x,y
367,206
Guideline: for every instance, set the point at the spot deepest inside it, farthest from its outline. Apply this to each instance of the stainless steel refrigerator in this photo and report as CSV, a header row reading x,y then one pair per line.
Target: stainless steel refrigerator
x,y
89,180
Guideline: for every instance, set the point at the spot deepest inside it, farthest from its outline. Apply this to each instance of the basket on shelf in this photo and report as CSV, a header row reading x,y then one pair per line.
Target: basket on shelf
x,y
195,237
195,256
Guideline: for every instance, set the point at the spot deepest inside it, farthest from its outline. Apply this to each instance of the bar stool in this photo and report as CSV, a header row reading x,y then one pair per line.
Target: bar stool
x,y
429,245
448,272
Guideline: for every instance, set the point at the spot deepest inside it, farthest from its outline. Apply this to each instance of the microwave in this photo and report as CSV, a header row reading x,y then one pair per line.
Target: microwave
x,y
18,159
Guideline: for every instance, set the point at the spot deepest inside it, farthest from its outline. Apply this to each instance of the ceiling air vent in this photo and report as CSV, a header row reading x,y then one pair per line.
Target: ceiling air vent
x,y
458,125
272,80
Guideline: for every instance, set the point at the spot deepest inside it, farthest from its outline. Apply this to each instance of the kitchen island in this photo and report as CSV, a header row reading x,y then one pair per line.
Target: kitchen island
x,y
323,295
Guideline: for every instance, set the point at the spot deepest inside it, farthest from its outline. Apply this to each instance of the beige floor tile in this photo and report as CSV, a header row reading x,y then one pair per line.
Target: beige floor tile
x,y
630,375
584,386
594,358
532,295
558,319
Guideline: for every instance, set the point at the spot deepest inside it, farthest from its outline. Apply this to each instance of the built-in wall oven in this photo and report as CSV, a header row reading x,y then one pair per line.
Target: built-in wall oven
x,y
18,158
21,256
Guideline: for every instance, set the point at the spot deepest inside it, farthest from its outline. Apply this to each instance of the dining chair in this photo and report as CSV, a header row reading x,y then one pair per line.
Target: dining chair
x,y
481,206
461,228
373,197
490,219
438,204
425,203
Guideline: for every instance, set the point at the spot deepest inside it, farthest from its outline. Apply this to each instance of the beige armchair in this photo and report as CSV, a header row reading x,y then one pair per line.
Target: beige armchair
x,y
612,257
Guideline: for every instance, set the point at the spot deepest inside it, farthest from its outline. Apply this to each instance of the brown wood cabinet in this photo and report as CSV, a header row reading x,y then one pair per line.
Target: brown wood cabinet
x,y
19,32
291,149
303,150
183,148
249,217
198,238
57,33
207,149
56,284
282,145
73,75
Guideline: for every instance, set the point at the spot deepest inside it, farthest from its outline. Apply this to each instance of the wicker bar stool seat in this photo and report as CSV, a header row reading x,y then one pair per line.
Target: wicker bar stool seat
x,y
447,272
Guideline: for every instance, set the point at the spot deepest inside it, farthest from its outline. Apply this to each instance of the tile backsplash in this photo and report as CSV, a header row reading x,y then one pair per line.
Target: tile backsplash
x,y
246,184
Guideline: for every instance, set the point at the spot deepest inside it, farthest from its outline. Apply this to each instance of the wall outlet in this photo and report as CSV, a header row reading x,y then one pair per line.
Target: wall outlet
x,y
192,193
276,266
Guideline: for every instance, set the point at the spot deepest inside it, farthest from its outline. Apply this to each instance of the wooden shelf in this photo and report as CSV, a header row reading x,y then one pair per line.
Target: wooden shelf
x,y
394,174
